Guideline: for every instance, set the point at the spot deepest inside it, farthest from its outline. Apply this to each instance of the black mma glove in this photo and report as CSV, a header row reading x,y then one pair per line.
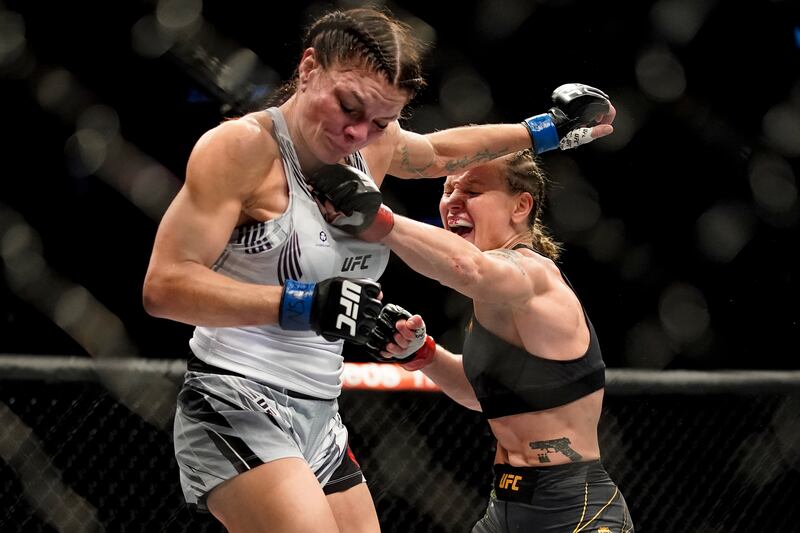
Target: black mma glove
x,y
351,201
336,308
418,353
569,123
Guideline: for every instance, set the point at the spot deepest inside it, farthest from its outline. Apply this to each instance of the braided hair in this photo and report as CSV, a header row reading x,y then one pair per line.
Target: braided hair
x,y
365,37
523,174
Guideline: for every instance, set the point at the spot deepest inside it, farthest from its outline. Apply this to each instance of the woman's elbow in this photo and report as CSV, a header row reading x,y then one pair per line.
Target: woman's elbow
x,y
466,400
462,277
472,405
156,296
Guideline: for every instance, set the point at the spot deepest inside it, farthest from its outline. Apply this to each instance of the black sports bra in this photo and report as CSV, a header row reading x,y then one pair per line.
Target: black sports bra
x,y
508,380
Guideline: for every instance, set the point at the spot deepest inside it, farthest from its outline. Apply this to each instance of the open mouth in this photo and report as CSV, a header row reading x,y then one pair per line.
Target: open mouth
x,y
461,228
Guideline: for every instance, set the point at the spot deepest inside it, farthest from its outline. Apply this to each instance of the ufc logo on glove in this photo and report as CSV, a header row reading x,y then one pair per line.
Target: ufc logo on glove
x,y
351,295
318,307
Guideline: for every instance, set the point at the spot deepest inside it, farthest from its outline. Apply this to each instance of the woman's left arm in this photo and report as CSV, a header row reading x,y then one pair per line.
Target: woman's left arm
x,y
581,114
453,150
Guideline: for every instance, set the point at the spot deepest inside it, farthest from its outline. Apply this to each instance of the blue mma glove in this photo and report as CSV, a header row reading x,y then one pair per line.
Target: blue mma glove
x,y
568,124
336,308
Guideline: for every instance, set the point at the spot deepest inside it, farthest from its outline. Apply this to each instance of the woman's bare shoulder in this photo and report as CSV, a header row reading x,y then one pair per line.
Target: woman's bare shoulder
x,y
245,140
241,149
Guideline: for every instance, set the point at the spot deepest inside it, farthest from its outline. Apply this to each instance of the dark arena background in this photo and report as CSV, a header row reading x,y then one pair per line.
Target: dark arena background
x,y
681,232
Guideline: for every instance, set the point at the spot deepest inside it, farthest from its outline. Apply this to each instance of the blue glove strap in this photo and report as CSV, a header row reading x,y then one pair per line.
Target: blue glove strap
x,y
543,132
296,301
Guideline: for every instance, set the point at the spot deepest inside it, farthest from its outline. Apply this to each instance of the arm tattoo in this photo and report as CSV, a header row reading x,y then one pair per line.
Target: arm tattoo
x,y
484,155
405,162
451,165
510,256
556,445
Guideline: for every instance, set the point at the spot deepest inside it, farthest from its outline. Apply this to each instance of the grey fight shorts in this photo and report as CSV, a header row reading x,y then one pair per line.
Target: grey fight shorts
x,y
228,424
555,499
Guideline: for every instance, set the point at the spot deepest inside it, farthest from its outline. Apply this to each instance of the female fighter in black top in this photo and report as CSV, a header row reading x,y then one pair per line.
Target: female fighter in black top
x,y
531,360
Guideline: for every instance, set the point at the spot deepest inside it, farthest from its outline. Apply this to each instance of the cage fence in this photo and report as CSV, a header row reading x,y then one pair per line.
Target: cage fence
x,y
85,446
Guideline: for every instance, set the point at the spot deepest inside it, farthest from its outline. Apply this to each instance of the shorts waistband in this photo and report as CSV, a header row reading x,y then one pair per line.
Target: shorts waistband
x,y
518,484
195,364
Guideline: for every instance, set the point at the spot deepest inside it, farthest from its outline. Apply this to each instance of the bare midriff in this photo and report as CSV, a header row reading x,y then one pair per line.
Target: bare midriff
x,y
561,435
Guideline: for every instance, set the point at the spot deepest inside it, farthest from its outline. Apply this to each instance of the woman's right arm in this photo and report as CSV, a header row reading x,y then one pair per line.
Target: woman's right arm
x,y
447,371
443,367
225,167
